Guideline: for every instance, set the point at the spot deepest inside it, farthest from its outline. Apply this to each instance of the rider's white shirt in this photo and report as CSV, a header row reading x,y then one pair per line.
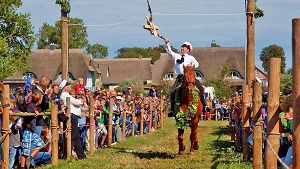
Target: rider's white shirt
x,y
188,59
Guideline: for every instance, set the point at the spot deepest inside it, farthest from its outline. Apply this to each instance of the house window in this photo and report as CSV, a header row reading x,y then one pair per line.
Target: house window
x,y
28,75
169,76
235,75
71,77
199,75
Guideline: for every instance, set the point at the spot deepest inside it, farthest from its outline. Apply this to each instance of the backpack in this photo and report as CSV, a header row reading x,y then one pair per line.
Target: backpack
x,y
23,97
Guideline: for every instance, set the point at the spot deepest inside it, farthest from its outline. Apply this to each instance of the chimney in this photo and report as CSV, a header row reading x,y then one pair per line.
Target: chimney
x,y
52,46
140,56
213,44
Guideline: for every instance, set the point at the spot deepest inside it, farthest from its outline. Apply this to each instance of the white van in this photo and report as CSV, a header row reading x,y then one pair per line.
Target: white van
x,y
209,93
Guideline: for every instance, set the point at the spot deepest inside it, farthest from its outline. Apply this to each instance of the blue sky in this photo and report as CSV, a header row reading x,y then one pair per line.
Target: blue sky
x,y
274,28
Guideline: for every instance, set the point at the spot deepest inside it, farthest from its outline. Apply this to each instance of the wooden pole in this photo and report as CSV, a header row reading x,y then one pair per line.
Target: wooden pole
x,y
133,120
69,129
109,141
54,127
124,125
155,120
296,92
250,59
150,117
162,113
246,124
258,126
142,122
238,143
5,125
273,104
64,45
92,125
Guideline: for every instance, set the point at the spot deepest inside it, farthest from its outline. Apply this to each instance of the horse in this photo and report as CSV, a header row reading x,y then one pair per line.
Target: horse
x,y
188,110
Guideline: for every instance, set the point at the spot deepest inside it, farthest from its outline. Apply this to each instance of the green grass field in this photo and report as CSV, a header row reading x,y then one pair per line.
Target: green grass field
x,y
159,150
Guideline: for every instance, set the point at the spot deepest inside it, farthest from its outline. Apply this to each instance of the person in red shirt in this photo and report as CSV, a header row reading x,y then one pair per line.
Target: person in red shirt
x,y
79,88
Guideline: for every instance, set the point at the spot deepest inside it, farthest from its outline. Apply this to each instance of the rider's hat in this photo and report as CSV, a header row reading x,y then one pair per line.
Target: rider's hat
x,y
188,45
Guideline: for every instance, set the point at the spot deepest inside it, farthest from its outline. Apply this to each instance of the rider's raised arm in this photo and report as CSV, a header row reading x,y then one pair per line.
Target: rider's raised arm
x,y
169,50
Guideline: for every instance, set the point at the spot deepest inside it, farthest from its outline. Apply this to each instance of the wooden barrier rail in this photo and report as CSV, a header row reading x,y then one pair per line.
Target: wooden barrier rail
x,y
67,131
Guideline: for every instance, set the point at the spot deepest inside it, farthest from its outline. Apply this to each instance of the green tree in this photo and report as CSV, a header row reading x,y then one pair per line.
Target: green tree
x,y
272,51
135,52
286,80
223,88
97,50
52,34
16,38
135,83
289,71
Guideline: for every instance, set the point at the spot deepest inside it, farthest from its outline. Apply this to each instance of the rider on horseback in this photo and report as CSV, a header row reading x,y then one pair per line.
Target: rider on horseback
x,y
179,61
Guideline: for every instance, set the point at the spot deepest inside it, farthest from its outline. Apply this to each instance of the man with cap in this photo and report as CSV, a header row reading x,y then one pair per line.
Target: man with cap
x,y
75,114
180,60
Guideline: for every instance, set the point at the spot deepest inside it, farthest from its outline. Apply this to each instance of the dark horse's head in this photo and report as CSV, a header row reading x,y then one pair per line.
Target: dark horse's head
x,y
189,78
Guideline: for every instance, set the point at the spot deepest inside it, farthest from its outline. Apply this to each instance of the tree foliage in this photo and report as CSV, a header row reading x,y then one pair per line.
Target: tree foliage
x,y
258,13
135,83
223,88
97,50
52,34
285,81
16,38
272,51
65,5
135,52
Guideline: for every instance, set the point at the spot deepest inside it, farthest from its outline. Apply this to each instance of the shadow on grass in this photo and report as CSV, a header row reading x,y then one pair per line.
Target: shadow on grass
x,y
224,150
147,155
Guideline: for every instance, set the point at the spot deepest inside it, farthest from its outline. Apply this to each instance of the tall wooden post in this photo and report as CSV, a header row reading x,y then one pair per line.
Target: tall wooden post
x,y
258,126
64,45
246,124
238,143
124,125
142,122
109,141
150,117
54,127
133,119
155,120
250,57
162,113
5,125
273,104
92,126
296,92
69,129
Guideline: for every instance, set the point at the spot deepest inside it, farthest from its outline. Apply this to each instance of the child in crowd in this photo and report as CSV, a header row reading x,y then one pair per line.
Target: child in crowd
x,y
30,139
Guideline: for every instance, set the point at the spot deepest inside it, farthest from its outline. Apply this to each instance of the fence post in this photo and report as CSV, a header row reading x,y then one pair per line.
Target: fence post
x,y
92,126
237,123
258,126
273,104
133,119
124,125
150,117
69,129
162,113
109,141
155,120
296,92
142,122
5,125
54,127
246,127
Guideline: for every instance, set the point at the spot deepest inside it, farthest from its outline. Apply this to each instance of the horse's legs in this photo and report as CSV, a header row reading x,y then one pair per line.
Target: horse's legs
x,y
180,141
193,137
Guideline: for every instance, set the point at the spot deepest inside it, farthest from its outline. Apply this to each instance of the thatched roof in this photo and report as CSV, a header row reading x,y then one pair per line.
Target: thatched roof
x,y
114,71
45,62
210,59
